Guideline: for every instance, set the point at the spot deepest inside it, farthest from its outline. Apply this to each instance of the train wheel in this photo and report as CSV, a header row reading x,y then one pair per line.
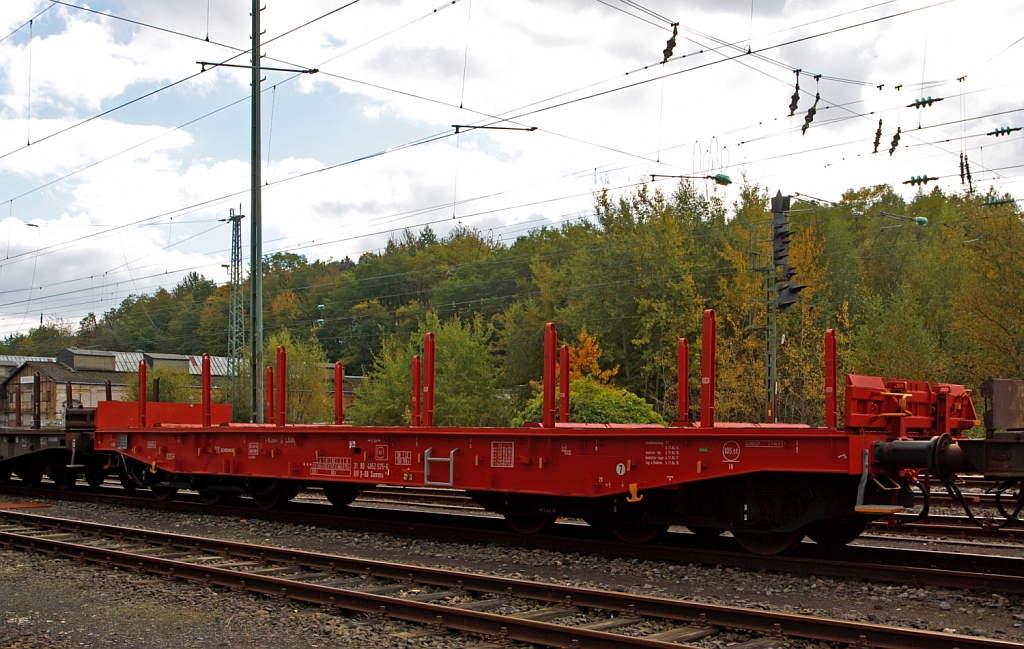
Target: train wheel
x,y
341,494
278,496
210,497
66,480
637,533
30,476
837,532
530,523
768,543
95,475
163,493
705,534
126,482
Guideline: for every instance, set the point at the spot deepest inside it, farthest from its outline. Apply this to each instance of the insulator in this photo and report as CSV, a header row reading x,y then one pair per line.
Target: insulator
x,y
796,96
895,140
670,46
919,180
809,117
1004,130
961,168
992,202
878,135
924,102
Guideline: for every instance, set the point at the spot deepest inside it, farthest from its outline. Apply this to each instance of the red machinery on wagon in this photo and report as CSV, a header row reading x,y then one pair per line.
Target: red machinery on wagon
x,y
769,484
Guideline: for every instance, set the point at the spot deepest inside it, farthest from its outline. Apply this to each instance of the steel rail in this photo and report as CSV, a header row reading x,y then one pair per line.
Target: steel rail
x,y
958,571
543,633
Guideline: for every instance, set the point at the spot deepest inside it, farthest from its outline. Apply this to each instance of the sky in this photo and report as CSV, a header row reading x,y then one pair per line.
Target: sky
x,y
121,158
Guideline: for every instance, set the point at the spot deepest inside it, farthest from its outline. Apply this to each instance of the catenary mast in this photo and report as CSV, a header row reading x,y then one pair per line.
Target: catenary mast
x,y
256,235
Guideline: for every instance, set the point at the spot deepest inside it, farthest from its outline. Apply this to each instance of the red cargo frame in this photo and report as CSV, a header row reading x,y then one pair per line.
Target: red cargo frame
x,y
563,459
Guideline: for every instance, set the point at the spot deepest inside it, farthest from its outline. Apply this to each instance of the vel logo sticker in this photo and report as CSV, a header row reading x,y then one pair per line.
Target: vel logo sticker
x,y
731,451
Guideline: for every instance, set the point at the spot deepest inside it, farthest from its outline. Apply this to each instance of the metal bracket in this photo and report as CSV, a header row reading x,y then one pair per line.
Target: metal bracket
x,y
861,508
73,449
451,467
901,400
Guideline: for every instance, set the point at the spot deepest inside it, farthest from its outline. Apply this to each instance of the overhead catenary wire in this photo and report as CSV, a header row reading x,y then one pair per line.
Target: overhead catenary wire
x,y
348,51
26,23
373,278
173,83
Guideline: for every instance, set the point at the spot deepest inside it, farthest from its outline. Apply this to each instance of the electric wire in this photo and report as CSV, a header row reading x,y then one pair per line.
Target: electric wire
x,y
26,23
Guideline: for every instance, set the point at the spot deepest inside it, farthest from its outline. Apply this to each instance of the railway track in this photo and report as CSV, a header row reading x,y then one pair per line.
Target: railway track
x,y
951,527
496,609
959,571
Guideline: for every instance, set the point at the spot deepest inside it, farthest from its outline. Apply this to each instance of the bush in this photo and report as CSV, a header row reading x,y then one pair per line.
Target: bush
x,y
593,403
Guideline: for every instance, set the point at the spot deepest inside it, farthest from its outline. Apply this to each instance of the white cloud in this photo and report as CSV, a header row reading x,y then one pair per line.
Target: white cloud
x,y
729,116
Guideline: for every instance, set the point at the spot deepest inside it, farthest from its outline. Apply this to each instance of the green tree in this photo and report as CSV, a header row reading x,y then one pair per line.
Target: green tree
x,y
465,382
308,388
893,341
175,386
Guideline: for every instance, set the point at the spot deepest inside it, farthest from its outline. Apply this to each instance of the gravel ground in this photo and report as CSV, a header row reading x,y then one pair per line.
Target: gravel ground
x,y
55,603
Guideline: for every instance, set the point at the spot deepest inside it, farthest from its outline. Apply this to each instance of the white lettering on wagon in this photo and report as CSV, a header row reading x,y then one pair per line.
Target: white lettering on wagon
x,y
403,458
503,455
731,451
332,466
765,443
254,449
667,456
371,470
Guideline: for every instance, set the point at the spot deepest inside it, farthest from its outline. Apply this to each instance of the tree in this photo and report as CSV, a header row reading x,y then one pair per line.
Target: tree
x,y
175,386
892,340
634,288
466,391
583,360
590,401
308,387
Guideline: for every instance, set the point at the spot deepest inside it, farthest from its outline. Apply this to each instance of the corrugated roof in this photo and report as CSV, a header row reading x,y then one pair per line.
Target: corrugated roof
x,y
166,357
127,361
218,365
61,373
89,352
7,359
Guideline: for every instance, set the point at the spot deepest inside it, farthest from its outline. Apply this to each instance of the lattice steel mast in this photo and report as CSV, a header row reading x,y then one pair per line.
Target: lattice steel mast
x,y
236,312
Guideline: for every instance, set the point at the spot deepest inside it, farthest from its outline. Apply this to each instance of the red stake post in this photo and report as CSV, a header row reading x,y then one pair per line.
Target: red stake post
x,y
428,379
142,394
207,391
550,346
831,419
563,384
339,393
416,391
707,370
683,387
269,382
282,385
